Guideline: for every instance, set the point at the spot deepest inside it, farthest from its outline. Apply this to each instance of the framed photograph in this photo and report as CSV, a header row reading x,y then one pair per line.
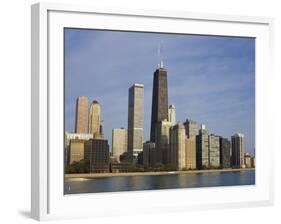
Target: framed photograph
x,y
148,111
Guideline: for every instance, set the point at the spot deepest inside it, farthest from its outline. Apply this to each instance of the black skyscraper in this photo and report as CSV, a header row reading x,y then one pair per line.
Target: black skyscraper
x,y
159,99
224,152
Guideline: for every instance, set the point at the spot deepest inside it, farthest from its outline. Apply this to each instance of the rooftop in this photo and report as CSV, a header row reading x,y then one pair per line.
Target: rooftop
x,y
172,106
138,85
238,135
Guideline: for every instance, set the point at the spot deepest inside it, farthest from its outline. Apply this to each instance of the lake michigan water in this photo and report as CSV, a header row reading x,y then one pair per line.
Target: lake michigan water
x,y
135,183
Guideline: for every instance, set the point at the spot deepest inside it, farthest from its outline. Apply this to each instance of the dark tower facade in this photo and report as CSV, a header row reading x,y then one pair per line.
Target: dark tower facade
x,y
224,152
159,110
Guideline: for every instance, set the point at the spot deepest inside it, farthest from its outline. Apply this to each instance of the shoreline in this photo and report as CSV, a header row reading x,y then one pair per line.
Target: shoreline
x,y
97,175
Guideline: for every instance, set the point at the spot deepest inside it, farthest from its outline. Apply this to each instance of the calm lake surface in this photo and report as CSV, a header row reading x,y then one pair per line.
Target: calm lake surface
x,y
135,183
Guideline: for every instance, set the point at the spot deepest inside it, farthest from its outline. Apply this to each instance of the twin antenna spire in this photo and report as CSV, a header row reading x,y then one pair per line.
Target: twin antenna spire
x,y
160,59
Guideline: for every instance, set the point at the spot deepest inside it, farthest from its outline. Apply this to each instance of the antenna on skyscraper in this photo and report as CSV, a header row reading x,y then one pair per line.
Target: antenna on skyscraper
x,y
160,60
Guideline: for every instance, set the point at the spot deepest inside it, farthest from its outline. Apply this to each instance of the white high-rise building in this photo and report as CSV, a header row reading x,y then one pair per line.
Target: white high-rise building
x,y
172,114
135,121
119,142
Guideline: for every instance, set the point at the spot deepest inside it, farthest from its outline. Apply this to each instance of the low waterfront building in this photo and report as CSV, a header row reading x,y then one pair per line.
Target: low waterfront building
x,y
77,152
124,157
82,136
123,167
97,155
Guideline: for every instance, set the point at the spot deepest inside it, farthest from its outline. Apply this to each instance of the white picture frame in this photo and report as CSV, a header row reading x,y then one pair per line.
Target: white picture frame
x,y
48,201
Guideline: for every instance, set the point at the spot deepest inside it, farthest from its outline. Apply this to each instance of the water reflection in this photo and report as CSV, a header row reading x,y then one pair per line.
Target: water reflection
x,y
133,183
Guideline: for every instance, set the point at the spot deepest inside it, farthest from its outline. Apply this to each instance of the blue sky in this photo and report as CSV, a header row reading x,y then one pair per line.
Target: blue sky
x,y
211,79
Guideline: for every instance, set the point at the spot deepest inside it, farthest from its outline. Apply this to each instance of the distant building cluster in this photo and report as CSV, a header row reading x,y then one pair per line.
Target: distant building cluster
x,y
172,144
87,143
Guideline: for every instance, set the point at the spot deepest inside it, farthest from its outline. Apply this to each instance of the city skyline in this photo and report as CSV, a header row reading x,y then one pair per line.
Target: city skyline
x,y
189,94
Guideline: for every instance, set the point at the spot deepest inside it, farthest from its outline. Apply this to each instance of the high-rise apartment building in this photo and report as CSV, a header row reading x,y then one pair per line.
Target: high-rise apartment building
x,y
224,152
190,153
119,142
190,128
238,150
159,110
81,121
135,121
191,132
162,136
172,114
177,146
149,154
95,120
214,151
202,148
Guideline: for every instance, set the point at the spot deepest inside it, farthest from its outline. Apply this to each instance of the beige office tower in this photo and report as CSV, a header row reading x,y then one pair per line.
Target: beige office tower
x,y
172,114
190,153
119,142
135,121
95,120
177,146
162,135
238,150
81,122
